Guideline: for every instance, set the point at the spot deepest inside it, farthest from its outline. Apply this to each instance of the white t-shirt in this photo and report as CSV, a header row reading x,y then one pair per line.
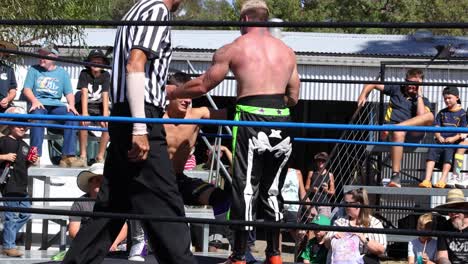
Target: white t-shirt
x,y
290,191
415,246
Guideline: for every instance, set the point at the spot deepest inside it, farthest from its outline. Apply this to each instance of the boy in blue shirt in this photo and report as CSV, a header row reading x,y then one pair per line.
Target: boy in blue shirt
x,y
44,87
451,116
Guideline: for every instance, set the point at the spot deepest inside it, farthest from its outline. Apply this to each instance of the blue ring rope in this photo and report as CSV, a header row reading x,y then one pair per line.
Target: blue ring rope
x,y
121,119
48,125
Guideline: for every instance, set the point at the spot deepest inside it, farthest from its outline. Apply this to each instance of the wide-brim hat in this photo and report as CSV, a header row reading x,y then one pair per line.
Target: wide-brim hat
x,y
455,199
97,169
8,45
49,48
95,53
321,156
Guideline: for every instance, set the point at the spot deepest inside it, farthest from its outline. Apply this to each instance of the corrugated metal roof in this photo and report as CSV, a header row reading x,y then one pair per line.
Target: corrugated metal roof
x,y
308,42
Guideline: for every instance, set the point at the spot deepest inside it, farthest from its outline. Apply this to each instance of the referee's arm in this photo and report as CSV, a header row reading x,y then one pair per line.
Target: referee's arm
x,y
136,97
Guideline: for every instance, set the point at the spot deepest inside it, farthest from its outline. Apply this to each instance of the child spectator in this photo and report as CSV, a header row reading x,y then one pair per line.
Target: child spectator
x,y
14,181
451,116
424,248
94,83
407,107
315,251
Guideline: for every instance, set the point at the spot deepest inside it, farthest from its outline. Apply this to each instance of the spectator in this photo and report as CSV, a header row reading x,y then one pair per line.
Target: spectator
x,y
293,190
44,86
320,184
89,182
316,251
94,83
370,245
424,248
8,84
407,107
14,181
450,249
451,116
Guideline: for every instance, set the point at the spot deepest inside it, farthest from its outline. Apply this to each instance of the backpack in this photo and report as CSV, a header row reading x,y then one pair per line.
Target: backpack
x,y
345,250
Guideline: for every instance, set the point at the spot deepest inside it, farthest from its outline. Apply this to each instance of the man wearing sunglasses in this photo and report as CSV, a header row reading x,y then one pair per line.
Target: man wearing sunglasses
x,y
407,107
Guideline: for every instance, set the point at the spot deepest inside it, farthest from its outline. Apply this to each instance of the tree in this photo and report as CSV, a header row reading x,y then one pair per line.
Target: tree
x,y
50,10
213,10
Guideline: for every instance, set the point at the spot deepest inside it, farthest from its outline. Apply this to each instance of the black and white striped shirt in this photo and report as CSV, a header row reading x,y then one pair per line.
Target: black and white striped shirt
x,y
154,41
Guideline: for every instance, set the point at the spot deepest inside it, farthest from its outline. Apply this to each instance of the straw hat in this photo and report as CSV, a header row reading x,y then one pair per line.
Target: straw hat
x,y
455,199
249,4
83,178
8,45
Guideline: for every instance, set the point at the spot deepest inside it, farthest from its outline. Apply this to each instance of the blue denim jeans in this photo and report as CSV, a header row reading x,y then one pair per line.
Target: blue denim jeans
x,y
13,223
69,135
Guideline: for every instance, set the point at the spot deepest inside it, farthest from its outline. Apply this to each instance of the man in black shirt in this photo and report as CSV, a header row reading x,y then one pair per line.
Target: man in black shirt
x,y
407,107
14,181
450,249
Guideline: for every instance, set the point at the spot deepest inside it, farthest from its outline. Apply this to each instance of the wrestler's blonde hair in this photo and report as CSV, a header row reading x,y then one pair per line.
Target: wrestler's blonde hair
x,y
256,10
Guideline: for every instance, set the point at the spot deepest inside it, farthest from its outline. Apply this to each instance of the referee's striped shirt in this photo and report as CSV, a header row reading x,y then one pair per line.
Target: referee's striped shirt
x,y
154,41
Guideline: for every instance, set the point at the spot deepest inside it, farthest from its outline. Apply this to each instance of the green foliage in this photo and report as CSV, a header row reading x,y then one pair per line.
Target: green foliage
x,y
216,10
288,10
53,10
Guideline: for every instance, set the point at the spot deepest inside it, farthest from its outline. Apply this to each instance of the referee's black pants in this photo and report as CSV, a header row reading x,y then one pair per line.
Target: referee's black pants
x,y
147,188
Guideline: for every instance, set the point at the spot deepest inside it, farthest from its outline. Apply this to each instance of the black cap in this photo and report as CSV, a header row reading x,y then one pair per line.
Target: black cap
x,y
95,53
451,90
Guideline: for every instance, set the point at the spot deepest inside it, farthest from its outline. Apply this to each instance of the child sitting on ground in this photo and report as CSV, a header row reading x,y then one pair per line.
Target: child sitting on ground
x,y
424,248
315,251
451,116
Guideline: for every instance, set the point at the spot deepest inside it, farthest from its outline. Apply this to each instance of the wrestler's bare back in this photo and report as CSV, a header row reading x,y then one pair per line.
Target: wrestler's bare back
x,y
261,64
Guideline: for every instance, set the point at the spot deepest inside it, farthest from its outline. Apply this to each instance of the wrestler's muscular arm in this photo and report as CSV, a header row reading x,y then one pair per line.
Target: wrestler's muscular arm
x,y
207,81
136,65
292,89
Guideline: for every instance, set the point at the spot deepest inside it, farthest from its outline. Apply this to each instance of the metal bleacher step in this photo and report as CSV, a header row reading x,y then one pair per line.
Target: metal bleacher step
x,y
383,149
402,191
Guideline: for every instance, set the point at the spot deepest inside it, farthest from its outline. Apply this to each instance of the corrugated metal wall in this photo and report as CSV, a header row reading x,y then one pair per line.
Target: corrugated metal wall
x,y
309,91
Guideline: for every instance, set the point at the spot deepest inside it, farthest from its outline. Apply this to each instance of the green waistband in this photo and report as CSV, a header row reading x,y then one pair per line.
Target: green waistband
x,y
262,110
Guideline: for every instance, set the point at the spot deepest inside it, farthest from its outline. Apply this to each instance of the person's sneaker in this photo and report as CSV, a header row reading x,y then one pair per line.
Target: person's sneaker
x,y
425,184
463,183
59,256
99,160
136,258
12,252
395,181
440,185
274,260
69,162
136,252
230,260
452,180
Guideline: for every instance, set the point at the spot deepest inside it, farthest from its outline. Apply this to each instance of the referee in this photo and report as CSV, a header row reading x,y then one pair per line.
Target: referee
x,y
138,175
